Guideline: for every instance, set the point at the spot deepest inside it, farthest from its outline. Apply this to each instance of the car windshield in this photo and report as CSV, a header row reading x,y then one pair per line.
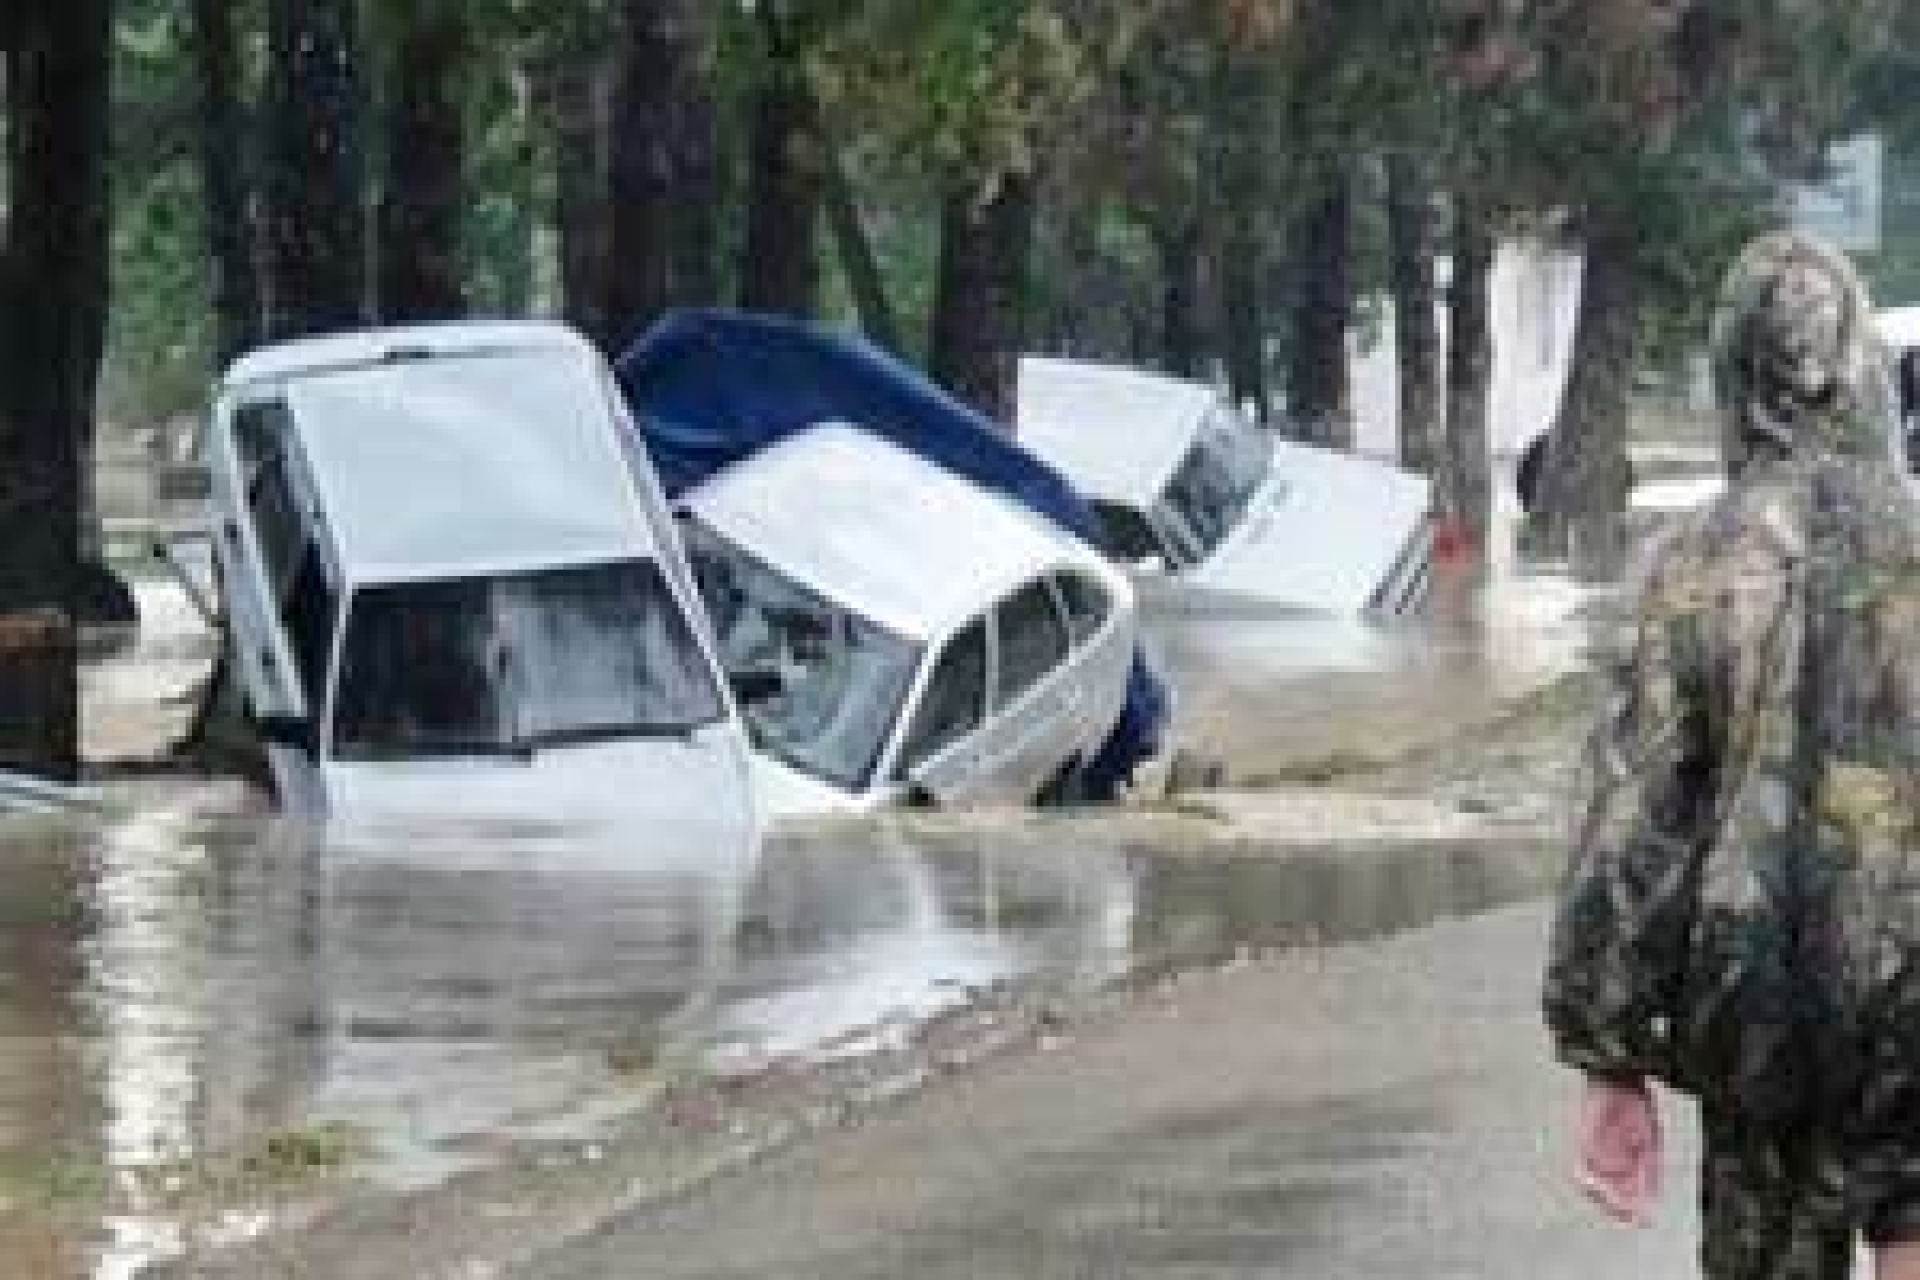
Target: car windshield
x,y
840,676
1211,488
517,662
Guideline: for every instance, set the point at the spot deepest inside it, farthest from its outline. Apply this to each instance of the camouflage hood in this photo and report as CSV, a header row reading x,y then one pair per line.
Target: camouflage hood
x,y
1796,367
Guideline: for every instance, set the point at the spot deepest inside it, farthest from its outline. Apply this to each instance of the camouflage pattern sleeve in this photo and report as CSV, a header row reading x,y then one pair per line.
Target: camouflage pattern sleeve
x,y
1620,928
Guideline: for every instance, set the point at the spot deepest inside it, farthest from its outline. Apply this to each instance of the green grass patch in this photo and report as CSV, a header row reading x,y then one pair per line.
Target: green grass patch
x,y
300,1153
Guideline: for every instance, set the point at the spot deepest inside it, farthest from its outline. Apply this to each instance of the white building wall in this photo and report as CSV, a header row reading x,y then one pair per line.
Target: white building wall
x,y
1535,300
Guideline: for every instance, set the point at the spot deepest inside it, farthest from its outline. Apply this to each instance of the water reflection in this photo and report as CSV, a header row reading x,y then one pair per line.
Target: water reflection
x,y
174,991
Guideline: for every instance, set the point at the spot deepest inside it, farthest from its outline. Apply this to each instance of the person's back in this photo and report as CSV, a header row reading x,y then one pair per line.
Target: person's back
x,y
1740,911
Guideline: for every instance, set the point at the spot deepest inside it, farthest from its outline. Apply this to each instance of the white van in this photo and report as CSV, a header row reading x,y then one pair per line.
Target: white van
x,y
1186,486
453,588
914,636
1898,329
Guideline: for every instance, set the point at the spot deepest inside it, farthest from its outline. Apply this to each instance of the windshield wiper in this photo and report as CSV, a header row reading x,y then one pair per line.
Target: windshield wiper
x,y
680,731
431,749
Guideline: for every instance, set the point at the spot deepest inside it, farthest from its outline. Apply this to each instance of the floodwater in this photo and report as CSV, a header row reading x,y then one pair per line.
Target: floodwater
x,y
184,1001
191,999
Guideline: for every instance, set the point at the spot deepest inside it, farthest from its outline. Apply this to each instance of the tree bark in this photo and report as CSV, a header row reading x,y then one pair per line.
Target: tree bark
x,y
1243,318
664,181
572,88
1074,312
425,190
226,180
53,319
857,259
780,263
1319,400
316,224
1178,244
1463,476
1235,168
979,307
1584,480
39,695
1413,221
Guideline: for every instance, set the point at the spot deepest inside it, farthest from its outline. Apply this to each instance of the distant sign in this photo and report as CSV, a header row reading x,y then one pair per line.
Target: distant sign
x,y
1844,209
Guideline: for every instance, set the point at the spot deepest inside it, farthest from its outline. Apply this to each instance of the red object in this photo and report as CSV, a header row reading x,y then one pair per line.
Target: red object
x,y
1452,543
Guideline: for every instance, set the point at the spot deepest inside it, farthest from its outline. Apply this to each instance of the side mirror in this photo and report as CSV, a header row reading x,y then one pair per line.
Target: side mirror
x,y
288,731
753,687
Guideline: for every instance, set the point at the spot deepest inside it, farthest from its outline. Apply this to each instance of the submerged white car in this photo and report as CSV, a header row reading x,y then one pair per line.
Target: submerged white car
x,y
453,589
913,637
1188,488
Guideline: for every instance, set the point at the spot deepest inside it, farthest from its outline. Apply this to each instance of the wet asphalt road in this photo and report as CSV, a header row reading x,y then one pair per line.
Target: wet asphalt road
x,y
1375,1110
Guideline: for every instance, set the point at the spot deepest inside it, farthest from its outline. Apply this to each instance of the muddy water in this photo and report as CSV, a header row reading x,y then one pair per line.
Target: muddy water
x,y
199,1015
1262,692
187,1006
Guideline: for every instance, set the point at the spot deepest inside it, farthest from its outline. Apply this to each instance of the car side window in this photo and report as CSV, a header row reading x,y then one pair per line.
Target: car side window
x,y
260,433
955,700
1033,640
303,596
1125,533
309,612
1086,603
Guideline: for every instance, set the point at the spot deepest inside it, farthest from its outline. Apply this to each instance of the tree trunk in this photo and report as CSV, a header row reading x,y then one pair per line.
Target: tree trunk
x,y
425,191
39,695
664,181
1243,317
316,225
858,261
1074,314
1319,401
1235,166
1463,476
696,235
779,263
1584,480
1414,216
979,306
1179,244
572,89
53,318
518,273
226,181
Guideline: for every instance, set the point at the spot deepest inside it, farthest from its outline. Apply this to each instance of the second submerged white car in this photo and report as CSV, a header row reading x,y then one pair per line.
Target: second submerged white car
x,y
1189,490
914,636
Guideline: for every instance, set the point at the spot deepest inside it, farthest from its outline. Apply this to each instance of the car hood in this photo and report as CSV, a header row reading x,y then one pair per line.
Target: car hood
x,y
785,793
688,795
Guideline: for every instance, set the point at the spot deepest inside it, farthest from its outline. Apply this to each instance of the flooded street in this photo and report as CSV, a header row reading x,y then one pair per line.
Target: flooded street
x,y
189,1004
211,1018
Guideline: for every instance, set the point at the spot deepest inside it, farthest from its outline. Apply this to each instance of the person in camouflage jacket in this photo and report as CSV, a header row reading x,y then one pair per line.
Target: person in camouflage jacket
x,y
1740,917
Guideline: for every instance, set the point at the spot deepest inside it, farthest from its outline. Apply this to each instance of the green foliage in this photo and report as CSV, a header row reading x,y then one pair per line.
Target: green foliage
x,y
300,1153
964,88
1137,113
161,332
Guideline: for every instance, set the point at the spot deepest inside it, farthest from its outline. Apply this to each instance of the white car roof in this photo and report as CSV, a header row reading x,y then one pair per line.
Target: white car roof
x,y
873,527
1899,327
475,449
1116,433
374,346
